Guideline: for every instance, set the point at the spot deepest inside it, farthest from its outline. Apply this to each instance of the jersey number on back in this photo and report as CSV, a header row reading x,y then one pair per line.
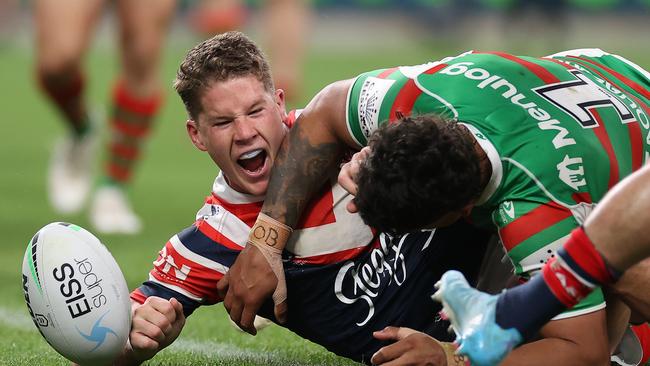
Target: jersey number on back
x,y
579,97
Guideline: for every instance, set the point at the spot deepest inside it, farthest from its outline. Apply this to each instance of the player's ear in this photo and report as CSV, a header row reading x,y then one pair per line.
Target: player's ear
x,y
193,132
280,101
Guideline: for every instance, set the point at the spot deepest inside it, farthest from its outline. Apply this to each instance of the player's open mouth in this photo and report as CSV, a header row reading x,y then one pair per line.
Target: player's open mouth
x,y
253,161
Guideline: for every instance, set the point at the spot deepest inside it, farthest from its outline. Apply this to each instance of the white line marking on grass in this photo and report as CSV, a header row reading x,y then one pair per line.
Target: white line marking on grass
x,y
20,320
16,319
221,350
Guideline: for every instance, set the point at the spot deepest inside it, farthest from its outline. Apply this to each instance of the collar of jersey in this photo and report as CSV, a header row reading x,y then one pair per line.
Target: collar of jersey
x,y
225,192
495,161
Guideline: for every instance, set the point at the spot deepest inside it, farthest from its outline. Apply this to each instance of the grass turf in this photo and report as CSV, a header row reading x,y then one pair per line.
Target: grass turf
x,y
168,189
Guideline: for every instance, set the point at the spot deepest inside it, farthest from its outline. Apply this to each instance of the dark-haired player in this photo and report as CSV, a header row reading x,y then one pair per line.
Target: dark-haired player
x,y
521,144
345,279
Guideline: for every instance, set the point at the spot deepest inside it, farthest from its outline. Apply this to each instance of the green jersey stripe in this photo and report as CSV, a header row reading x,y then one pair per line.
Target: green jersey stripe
x,y
534,221
545,75
630,83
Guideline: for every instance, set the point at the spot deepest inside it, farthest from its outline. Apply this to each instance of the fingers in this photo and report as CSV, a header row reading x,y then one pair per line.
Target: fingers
x,y
351,207
222,285
254,277
247,322
162,307
347,175
386,334
155,324
178,308
390,353
393,333
149,329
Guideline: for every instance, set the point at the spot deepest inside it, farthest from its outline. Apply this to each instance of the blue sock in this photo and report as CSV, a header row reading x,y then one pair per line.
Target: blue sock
x,y
527,307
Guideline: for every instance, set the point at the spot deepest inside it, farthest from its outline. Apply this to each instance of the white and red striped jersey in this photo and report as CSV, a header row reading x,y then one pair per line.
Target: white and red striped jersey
x,y
192,261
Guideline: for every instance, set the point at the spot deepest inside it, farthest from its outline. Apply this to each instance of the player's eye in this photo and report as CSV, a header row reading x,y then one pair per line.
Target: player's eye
x,y
256,112
222,122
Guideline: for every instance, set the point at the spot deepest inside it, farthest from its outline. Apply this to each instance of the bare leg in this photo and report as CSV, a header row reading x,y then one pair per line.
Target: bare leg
x,y
136,100
62,36
287,22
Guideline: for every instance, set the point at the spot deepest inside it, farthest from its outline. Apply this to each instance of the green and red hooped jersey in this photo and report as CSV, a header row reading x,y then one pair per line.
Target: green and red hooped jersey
x,y
559,131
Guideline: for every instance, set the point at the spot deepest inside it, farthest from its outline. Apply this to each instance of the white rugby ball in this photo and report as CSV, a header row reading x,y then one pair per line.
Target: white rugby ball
x,y
76,294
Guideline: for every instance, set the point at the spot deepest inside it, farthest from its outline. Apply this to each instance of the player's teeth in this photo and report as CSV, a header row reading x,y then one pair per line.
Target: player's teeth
x,y
251,154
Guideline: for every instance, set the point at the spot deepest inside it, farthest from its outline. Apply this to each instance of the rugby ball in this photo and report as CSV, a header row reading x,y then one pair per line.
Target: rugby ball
x,y
76,294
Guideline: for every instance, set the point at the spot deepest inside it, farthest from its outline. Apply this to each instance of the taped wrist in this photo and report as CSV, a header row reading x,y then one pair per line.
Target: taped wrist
x,y
453,359
270,232
270,237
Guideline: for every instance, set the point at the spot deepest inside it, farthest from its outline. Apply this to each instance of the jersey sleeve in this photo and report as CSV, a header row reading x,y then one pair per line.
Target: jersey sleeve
x,y
531,234
368,103
188,268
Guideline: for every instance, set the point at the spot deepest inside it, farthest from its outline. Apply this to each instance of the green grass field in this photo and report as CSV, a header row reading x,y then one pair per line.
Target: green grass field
x,y
168,189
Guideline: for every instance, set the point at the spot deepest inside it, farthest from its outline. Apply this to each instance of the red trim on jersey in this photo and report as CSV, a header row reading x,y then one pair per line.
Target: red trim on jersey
x,y
137,296
603,137
384,74
318,212
636,138
408,94
636,144
215,235
435,69
247,212
567,66
570,290
531,223
199,280
638,101
583,252
546,76
631,83
404,101
330,258
582,197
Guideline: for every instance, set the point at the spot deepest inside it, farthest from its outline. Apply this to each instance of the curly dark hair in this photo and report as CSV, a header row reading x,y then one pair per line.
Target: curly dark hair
x,y
420,169
219,58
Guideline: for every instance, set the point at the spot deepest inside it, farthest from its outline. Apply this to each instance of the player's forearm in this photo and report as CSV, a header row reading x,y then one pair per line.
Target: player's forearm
x,y
303,164
619,224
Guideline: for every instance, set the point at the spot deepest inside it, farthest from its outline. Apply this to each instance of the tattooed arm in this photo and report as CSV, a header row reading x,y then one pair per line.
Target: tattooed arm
x,y
310,154
306,159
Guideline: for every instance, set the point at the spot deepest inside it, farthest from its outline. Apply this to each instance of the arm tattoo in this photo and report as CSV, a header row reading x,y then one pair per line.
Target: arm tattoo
x,y
299,170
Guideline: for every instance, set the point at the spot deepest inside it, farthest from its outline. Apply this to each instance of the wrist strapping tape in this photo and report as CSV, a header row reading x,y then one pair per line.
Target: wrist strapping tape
x,y
270,232
453,359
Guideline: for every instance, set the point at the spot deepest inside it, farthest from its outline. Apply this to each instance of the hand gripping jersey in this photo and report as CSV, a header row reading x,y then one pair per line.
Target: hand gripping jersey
x,y
559,132
344,281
